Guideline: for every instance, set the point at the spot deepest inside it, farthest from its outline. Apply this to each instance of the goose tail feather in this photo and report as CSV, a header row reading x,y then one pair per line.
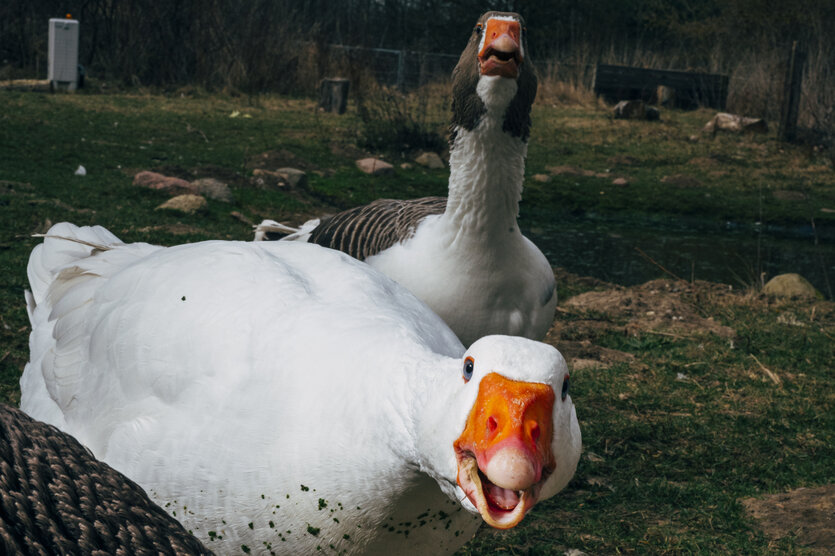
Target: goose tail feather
x,y
268,229
64,244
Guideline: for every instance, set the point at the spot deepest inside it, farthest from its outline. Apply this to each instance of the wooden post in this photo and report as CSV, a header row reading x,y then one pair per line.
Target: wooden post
x,y
401,71
333,94
791,95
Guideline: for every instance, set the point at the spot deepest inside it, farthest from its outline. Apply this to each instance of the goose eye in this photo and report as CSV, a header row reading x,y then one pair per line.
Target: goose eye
x,y
565,384
469,364
478,28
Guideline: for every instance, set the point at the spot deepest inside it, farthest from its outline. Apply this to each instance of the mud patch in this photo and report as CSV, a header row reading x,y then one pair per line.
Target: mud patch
x,y
805,513
656,306
664,307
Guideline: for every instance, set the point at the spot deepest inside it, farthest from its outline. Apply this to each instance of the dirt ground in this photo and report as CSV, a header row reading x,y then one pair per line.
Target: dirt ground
x,y
672,308
806,513
662,307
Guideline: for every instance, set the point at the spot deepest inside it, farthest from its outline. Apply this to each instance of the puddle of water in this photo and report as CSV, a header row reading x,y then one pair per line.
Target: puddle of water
x,y
612,251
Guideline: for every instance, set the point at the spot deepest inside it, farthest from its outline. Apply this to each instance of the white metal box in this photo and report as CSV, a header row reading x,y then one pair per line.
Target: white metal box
x,y
63,52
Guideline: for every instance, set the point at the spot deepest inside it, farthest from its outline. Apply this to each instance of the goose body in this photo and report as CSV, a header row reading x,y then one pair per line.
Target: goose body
x,y
464,256
56,498
286,397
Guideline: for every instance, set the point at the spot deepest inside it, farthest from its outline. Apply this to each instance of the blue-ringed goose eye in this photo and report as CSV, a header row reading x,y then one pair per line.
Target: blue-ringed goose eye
x,y
565,385
469,365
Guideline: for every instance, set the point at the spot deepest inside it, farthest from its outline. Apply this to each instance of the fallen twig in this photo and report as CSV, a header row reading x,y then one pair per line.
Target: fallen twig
x,y
656,263
769,373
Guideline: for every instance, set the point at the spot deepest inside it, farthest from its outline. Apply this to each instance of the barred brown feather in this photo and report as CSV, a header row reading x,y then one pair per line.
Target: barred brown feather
x,y
367,230
56,498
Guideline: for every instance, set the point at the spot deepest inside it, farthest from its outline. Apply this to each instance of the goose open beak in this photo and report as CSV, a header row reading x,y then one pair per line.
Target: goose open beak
x,y
501,53
504,454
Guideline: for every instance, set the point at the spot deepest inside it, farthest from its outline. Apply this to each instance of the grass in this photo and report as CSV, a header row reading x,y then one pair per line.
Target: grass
x,y
666,459
740,178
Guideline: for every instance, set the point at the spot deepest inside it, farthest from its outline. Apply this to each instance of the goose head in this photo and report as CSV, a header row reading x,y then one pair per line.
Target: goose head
x,y
500,49
494,74
512,436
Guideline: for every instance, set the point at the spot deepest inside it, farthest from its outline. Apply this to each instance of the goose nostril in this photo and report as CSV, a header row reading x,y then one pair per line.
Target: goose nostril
x,y
535,432
492,424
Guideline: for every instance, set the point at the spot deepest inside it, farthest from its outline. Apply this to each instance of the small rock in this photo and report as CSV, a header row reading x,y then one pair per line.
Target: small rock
x,y
681,181
154,180
374,166
81,171
188,204
293,177
430,160
791,285
406,166
212,188
261,173
620,181
267,178
541,178
635,110
733,123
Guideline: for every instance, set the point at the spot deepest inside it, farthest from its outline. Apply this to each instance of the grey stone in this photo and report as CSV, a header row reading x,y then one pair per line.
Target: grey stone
x,y
212,188
736,124
374,166
430,160
293,176
791,285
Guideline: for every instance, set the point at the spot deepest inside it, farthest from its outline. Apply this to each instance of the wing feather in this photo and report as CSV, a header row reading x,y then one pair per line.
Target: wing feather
x,y
367,230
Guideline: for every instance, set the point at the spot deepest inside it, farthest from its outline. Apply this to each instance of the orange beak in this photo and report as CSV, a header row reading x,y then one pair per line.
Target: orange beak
x,y
504,454
501,53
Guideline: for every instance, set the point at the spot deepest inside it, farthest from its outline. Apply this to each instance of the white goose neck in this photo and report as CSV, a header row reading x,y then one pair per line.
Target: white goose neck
x,y
439,414
487,168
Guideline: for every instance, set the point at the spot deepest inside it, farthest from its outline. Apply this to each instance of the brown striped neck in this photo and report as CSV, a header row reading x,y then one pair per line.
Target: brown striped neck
x,y
468,106
493,89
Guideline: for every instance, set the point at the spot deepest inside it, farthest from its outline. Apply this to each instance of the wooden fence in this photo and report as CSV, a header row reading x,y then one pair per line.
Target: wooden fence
x,y
689,89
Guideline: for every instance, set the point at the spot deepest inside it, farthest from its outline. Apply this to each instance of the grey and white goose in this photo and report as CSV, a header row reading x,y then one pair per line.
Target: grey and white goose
x,y
56,498
464,255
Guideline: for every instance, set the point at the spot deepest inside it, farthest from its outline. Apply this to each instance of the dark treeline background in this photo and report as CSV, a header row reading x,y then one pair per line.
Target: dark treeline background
x,y
281,45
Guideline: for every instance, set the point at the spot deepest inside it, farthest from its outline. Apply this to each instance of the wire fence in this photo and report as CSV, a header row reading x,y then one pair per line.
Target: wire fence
x,y
403,69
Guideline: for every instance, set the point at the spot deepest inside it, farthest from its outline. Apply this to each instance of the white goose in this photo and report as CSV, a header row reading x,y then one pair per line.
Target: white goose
x,y
464,255
285,397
